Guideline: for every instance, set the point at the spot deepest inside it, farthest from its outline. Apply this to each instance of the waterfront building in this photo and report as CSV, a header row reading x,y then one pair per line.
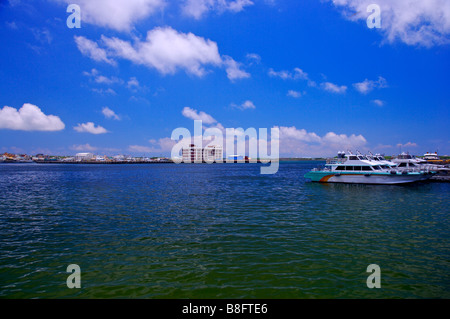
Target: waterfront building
x,y
83,157
197,154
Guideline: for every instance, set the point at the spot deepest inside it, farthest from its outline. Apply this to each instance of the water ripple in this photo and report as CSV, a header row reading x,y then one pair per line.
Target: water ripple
x,y
217,231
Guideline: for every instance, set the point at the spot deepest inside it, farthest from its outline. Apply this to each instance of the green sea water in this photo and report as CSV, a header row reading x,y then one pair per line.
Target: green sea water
x,y
217,231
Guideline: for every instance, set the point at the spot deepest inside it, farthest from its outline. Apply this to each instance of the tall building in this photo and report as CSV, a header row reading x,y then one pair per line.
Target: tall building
x,y
213,153
83,157
196,154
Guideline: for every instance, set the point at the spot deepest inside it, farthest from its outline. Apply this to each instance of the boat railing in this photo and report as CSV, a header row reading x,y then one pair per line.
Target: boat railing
x,y
336,160
415,169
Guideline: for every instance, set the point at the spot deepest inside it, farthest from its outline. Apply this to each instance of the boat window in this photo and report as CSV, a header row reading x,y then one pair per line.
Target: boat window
x,y
357,168
353,158
366,168
376,167
402,165
340,168
349,168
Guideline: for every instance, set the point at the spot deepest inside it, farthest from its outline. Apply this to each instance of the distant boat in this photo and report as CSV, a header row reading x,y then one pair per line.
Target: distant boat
x,y
407,161
358,169
433,158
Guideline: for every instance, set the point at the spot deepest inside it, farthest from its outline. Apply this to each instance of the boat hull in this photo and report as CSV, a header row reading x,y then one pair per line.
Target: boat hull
x,y
372,178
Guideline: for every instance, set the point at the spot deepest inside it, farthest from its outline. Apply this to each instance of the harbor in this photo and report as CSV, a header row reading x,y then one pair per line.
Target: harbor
x,y
429,167
376,169
217,231
224,158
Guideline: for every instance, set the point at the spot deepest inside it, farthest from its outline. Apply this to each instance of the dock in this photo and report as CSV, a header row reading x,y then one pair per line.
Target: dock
x,y
440,178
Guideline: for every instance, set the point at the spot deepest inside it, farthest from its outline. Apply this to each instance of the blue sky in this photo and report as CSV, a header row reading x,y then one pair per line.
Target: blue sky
x,y
138,69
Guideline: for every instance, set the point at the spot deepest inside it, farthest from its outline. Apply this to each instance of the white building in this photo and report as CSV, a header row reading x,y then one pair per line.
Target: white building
x,y
83,157
213,153
196,154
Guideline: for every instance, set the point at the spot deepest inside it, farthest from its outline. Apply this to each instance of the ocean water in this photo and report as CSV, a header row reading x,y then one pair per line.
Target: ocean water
x,y
217,231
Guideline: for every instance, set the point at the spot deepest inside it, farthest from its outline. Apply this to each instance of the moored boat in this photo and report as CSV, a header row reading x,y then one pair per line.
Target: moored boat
x,y
358,169
405,161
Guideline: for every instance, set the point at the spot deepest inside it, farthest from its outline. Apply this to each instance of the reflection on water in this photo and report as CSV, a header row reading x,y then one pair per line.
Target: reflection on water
x,y
217,231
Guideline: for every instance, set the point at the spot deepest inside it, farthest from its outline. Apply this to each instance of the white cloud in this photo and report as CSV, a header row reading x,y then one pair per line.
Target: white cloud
x,y
162,145
195,115
12,25
333,88
101,79
248,105
197,8
294,94
409,144
98,78
366,86
285,75
378,102
298,134
343,141
140,149
29,118
139,99
85,147
103,92
92,50
383,146
299,142
119,15
133,83
110,114
256,58
168,50
42,35
165,50
93,73
245,106
414,22
236,5
90,127
233,69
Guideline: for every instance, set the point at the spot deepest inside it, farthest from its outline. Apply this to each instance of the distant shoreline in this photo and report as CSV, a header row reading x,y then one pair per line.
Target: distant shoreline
x,y
287,159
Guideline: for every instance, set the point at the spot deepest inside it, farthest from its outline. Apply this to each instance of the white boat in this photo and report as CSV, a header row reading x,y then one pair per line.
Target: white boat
x,y
405,161
358,169
431,157
384,163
